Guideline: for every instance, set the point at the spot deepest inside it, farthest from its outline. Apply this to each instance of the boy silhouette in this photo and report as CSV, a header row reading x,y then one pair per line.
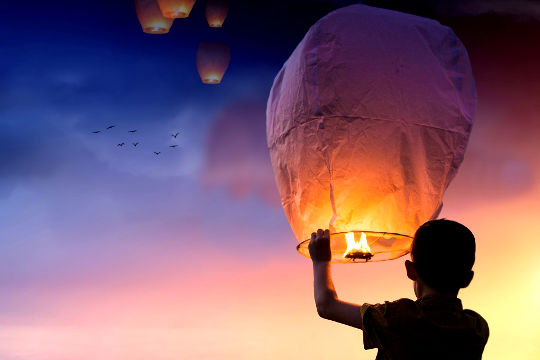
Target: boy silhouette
x,y
435,326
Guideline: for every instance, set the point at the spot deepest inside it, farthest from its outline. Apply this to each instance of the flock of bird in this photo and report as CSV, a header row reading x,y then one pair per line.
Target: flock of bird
x,y
136,143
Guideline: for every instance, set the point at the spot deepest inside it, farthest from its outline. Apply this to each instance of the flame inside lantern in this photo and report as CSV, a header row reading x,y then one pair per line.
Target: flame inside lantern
x,y
357,249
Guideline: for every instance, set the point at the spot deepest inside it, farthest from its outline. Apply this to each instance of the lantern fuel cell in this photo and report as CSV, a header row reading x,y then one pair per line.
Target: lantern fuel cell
x,y
367,123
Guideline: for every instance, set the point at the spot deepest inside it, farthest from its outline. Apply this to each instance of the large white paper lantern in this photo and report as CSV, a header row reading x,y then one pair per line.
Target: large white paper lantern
x,y
367,124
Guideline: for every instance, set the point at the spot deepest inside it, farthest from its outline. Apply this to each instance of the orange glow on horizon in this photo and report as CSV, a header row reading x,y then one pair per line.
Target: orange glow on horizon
x,y
145,318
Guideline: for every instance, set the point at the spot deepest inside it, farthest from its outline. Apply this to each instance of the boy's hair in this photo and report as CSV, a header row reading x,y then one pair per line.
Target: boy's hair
x,y
443,254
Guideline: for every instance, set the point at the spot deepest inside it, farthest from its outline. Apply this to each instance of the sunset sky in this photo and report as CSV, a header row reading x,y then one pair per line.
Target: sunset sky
x,y
113,253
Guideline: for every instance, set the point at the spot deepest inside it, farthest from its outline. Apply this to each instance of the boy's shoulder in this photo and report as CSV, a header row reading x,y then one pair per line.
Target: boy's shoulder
x,y
430,306
388,314
396,326
436,317
388,307
479,322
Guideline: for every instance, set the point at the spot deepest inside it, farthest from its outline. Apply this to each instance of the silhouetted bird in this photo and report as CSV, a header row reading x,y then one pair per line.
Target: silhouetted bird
x,y
175,135
121,144
157,152
173,146
110,127
96,132
132,131
135,144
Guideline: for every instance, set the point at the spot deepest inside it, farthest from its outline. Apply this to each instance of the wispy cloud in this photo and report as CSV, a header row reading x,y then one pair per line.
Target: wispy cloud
x,y
236,153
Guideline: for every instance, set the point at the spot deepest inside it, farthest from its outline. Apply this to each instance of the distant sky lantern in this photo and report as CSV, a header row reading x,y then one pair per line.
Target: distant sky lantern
x,y
176,8
212,61
216,12
364,139
150,17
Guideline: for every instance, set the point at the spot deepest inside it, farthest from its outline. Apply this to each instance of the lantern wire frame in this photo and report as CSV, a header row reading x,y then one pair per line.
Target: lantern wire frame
x,y
383,245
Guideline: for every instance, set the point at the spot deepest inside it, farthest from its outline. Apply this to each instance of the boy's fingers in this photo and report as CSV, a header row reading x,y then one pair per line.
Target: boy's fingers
x,y
319,247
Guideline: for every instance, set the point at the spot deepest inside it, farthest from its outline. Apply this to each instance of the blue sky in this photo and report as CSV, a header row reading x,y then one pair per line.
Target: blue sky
x,y
70,68
70,198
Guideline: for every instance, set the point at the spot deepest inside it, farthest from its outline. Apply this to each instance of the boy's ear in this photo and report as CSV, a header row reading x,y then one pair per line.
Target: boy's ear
x,y
411,270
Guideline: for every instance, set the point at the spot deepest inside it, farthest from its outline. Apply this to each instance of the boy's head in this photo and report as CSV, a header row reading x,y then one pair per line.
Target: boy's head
x,y
443,255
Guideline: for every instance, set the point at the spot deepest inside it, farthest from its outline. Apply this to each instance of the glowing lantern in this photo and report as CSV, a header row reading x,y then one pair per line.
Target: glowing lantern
x,y
176,8
367,124
152,22
216,12
212,61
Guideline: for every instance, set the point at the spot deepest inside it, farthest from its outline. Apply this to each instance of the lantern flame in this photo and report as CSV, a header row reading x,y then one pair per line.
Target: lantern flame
x,y
180,13
356,249
211,79
216,24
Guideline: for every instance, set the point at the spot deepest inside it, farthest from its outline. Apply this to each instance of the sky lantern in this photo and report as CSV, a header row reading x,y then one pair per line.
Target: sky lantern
x,y
367,123
176,8
216,12
150,17
212,61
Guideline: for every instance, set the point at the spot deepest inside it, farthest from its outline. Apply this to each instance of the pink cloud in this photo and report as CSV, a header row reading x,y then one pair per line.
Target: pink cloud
x,y
236,153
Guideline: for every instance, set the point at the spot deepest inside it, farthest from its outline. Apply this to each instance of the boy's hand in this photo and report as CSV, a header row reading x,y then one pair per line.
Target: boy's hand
x,y
319,246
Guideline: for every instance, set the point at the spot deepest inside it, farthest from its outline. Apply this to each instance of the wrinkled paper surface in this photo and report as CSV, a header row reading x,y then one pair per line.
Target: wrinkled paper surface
x,y
368,121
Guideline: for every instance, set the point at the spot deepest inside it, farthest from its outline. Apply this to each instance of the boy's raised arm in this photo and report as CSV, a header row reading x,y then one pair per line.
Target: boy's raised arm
x,y
326,299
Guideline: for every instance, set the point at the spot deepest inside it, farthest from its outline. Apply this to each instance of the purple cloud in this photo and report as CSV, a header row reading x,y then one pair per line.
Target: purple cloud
x,y
236,153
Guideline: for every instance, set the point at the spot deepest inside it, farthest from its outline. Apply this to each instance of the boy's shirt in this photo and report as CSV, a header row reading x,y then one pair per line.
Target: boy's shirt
x,y
434,327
